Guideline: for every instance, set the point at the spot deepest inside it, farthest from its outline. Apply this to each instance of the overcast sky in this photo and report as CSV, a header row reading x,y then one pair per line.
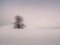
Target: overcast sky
x,y
36,13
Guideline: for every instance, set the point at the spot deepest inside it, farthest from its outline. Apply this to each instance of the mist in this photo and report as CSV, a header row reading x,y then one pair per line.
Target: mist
x,y
35,13
41,17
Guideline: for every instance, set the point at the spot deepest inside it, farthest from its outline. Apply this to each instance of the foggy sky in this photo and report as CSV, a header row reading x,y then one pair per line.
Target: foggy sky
x,y
36,13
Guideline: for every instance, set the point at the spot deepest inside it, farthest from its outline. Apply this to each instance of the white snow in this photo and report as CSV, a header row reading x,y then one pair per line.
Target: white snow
x,y
29,36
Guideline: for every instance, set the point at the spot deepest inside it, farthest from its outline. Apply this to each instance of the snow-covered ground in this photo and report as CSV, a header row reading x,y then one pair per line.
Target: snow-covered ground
x,y
29,36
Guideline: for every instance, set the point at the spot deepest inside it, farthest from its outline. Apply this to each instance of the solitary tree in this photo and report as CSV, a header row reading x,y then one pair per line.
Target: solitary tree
x,y
19,22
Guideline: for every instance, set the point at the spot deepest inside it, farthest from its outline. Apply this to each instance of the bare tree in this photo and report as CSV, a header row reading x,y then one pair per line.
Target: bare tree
x,y
19,22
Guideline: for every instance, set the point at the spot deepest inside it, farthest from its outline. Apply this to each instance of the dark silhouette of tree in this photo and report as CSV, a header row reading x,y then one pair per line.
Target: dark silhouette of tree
x,y
19,22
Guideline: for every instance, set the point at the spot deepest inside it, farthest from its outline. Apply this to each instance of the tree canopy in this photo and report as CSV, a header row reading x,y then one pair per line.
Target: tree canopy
x,y
19,22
